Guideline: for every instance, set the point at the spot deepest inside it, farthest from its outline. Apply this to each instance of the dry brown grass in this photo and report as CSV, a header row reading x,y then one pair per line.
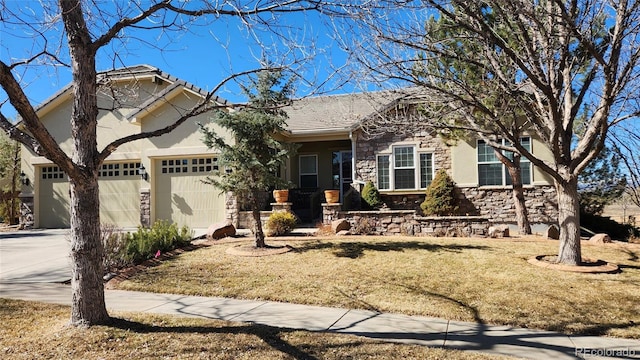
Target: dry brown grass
x,y
466,279
38,331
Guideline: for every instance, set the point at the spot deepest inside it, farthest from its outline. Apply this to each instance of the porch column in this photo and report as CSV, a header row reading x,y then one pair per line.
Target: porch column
x,y
330,212
279,207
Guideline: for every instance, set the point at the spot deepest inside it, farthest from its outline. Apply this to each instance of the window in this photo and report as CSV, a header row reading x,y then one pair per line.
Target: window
x,y
404,168
308,171
174,166
492,172
52,172
206,164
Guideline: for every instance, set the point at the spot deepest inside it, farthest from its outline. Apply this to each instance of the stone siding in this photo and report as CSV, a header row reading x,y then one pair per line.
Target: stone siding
x,y
406,222
367,149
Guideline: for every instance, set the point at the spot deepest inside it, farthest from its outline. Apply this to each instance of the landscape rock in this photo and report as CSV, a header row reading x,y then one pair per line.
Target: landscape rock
x,y
600,239
343,233
498,231
552,233
340,225
220,230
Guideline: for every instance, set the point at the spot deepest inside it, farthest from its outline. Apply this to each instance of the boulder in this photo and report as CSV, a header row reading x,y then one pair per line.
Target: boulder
x,y
220,230
552,233
498,231
600,239
339,225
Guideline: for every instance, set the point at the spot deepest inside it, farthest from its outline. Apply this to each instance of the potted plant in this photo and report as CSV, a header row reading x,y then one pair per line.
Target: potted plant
x,y
281,195
332,196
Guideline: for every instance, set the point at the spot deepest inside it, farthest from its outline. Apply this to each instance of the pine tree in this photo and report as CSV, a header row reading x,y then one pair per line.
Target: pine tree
x,y
440,196
253,161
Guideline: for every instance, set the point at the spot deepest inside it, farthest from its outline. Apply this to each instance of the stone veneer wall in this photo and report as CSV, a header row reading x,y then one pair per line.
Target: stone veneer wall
x,y
406,222
497,203
367,149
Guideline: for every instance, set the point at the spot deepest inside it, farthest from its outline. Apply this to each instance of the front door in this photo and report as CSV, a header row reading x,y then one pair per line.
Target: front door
x,y
342,171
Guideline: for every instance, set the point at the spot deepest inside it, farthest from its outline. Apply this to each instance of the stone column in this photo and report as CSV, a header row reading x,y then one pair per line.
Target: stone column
x,y
26,210
232,211
145,207
278,207
330,212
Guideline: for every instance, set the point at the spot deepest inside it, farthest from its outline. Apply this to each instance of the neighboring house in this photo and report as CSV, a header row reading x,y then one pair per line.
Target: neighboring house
x,y
336,151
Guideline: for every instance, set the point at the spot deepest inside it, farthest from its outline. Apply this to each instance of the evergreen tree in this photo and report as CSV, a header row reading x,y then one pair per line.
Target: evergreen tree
x,y
601,182
253,161
440,196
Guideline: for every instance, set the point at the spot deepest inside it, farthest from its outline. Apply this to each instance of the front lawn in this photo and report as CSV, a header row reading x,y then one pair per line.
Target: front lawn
x,y
468,279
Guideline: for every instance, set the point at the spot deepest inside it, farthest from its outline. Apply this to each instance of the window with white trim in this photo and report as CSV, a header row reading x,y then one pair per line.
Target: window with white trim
x,y
404,169
492,172
308,171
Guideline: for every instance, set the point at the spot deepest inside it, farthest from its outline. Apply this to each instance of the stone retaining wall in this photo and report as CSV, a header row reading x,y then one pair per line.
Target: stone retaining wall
x,y
406,222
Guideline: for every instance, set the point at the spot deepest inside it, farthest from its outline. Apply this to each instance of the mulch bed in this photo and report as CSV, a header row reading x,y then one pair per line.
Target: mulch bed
x,y
589,266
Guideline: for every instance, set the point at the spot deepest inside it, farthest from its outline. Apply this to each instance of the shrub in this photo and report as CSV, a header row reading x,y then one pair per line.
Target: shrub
x,y
280,223
115,245
371,195
440,195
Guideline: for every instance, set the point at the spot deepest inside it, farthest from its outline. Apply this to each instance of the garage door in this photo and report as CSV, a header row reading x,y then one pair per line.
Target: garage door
x,y
53,198
119,196
182,197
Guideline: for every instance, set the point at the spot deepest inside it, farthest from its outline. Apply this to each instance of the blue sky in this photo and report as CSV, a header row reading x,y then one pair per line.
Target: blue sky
x,y
206,54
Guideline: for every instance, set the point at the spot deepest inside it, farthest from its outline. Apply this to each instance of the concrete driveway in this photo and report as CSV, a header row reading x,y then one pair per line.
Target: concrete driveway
x,y
34,256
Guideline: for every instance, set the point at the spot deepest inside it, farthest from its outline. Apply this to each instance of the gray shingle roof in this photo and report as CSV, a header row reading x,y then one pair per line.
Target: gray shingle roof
x,y
334,112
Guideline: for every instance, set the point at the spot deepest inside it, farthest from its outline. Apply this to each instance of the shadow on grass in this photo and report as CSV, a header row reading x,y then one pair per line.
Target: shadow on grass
x,y
270,335
356,249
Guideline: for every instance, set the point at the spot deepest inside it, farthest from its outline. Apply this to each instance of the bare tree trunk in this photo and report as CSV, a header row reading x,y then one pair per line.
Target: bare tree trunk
x,y
14,183
88,304
257,228
569,219
522,215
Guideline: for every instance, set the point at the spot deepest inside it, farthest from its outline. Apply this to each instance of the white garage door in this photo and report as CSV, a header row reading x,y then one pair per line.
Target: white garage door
x,y
53,204
182,197
119,196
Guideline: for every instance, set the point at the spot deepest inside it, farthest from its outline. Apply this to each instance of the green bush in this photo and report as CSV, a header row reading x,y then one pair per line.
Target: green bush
x,y
280,223
162,236
371,196
440,196
126,249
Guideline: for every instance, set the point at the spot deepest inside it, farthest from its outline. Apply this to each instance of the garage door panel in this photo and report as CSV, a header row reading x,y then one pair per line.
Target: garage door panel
x,y
119,196
181,195
54,203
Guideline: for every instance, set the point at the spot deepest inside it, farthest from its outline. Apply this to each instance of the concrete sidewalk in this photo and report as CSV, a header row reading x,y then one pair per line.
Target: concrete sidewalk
x,y
503,340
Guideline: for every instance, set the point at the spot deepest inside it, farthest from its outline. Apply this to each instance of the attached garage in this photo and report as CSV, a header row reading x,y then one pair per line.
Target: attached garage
x,y
119,196
53,193
180,194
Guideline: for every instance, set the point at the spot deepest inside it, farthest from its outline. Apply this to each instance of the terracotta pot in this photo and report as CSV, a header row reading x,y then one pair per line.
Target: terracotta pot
x,y
332,196
281,196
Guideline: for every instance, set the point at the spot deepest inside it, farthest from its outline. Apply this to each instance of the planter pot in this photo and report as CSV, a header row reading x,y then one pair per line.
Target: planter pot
x,y
332,196
281,196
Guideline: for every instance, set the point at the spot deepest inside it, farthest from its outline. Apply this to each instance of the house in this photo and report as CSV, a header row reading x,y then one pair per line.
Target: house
x,y
341,146
174,165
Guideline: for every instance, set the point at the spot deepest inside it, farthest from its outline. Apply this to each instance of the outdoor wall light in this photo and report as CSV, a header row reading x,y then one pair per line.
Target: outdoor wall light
x,y
143,172
24,179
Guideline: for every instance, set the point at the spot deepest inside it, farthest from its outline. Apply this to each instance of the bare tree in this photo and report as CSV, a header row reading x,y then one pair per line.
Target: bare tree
x,y
72,34
564,64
